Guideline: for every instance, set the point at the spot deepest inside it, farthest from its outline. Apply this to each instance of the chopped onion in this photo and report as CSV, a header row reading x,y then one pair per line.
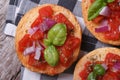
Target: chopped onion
x,y
43,27
50,22
105,11
29,50
116,67
37,53
102,29
104,23
105,66
47,24
31,31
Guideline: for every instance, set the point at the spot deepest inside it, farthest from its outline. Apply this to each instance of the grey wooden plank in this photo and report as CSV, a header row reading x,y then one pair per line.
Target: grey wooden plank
x,y
9,63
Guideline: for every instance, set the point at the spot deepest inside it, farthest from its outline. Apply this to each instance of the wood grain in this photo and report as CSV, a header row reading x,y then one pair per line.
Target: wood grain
x,y
9,63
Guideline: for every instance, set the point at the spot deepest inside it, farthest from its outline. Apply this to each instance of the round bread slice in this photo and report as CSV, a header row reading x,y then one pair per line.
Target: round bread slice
x,y
91,25
96,55
25,24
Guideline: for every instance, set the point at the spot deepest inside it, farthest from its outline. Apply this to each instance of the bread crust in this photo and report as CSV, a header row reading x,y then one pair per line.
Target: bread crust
x,y
96,55
25,24
91,25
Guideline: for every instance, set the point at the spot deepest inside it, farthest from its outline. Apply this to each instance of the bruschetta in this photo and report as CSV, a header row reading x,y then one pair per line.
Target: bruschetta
x,y
99,64
102,19
48,39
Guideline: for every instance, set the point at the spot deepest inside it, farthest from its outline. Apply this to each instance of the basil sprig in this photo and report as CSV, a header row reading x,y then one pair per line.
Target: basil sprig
x,y
56,37
96,7
98,70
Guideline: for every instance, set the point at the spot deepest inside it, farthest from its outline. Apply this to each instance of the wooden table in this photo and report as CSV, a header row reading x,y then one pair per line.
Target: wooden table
x,y
9,63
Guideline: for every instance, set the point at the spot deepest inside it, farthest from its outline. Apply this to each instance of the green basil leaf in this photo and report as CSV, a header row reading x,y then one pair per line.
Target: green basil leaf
x,y
51,55
95,8
57,34
99,70
109,1
47,42
91,76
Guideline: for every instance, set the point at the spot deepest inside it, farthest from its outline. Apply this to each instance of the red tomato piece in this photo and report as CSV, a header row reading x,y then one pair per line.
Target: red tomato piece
x,y
85,72
118,74
114,22
110,76
98,19
37,35
46,12
24,42
72,43
38,64
65,61
111,59
60,18
62,58
114,6
66,51
31,59
112,36
37,21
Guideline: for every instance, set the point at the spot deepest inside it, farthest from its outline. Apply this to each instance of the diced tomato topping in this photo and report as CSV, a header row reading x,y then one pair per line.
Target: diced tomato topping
x,y
31,59
112,36
37,21
66,51
114,6
65,61
43,13
110,76
60,18
46,12
71,44
98,19
24,42
111,59
38,64
27,40
37,35
85,72
114,23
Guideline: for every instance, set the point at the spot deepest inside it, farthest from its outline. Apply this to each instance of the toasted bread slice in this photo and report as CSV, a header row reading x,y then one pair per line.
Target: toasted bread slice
x,y
25,24
96,55
91,25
